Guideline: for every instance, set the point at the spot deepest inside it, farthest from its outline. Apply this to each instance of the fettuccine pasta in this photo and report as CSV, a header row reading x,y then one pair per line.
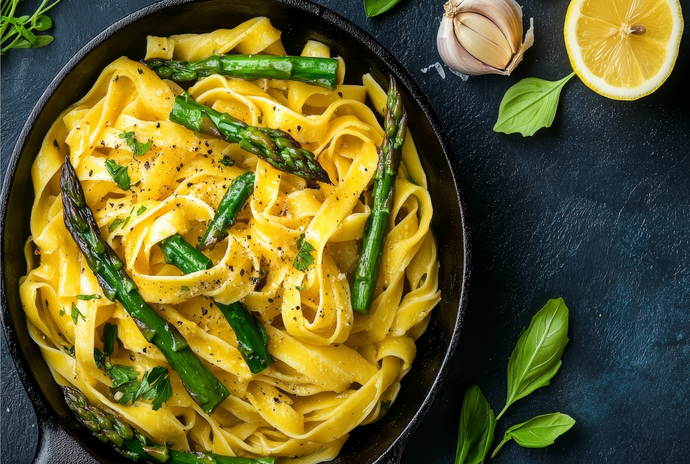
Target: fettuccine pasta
x,y
332,369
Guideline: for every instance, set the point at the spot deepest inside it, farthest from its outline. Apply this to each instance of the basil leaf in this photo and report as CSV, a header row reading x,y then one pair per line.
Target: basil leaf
x,y
529,105
138,148
538,432
88,297
537,355
476,430
109,338
118,173
376,7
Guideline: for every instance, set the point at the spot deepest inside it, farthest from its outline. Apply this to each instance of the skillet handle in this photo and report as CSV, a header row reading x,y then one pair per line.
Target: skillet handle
x,y
55,445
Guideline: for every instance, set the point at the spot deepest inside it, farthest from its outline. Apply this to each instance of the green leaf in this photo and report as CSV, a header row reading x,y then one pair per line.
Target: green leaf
x,y
121,375
476,430
42,23
109,338
226,161
23,43
98,358
76,314
138,148
304,259
376,7
42,41
529,105
537,355
538,432
114,225
119,174
88,297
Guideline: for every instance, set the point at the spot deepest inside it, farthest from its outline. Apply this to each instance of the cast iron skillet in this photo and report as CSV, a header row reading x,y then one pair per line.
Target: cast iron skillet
x,y
60,435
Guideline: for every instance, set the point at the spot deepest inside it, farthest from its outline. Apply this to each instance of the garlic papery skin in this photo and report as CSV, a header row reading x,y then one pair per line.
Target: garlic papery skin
x,y
483,36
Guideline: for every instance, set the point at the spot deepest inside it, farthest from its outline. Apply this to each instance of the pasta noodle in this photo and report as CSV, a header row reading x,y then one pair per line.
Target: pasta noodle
x,y
333,369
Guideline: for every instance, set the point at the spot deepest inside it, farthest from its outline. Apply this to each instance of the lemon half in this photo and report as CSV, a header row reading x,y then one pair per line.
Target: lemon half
x,y
623,49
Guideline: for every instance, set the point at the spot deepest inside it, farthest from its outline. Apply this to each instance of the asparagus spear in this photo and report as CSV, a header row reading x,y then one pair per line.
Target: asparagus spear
x,y
278,148
231,204
110,429
251,336
390,154
201,384
311,70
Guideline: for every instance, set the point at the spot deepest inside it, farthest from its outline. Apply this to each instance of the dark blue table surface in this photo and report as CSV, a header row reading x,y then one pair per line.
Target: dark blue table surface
x,y
595,209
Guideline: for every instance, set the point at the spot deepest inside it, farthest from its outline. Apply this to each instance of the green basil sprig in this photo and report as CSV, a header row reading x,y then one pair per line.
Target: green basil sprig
x,y
538,432
529,105
477,425
537,355
376,7
533,363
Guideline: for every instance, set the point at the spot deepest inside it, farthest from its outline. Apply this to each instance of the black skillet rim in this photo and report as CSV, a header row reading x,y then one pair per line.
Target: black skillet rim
x,y
27,377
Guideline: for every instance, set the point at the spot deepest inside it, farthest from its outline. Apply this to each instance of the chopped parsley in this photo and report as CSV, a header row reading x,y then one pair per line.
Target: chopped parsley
x,y
76,314
138,148
226,161
304,259
141,210
114,225
109,338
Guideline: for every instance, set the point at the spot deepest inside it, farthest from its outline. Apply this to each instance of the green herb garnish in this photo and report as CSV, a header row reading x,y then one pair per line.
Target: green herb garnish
x,y
537,355
114,225
17,32
226,161
304,259
529,105
88,297
76,314
538,432
477,425
535,360
141,210
376,7
138,148
109,338
119,174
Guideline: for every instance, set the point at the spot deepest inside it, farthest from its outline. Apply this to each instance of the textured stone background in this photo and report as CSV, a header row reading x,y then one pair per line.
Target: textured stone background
x,y
595,209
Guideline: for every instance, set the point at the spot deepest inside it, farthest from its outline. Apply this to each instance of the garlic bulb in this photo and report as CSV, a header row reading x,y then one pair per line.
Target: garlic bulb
x,y
483,36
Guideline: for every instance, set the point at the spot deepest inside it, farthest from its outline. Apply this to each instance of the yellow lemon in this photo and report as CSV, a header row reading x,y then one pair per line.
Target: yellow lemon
x,y
623,49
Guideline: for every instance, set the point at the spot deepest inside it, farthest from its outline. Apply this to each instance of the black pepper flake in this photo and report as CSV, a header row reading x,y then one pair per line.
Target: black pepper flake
x,y
299,128
147,165
56,145
242,272
140,71
144,350
340,94
270,300
158,125
204,311
179,323
91,173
